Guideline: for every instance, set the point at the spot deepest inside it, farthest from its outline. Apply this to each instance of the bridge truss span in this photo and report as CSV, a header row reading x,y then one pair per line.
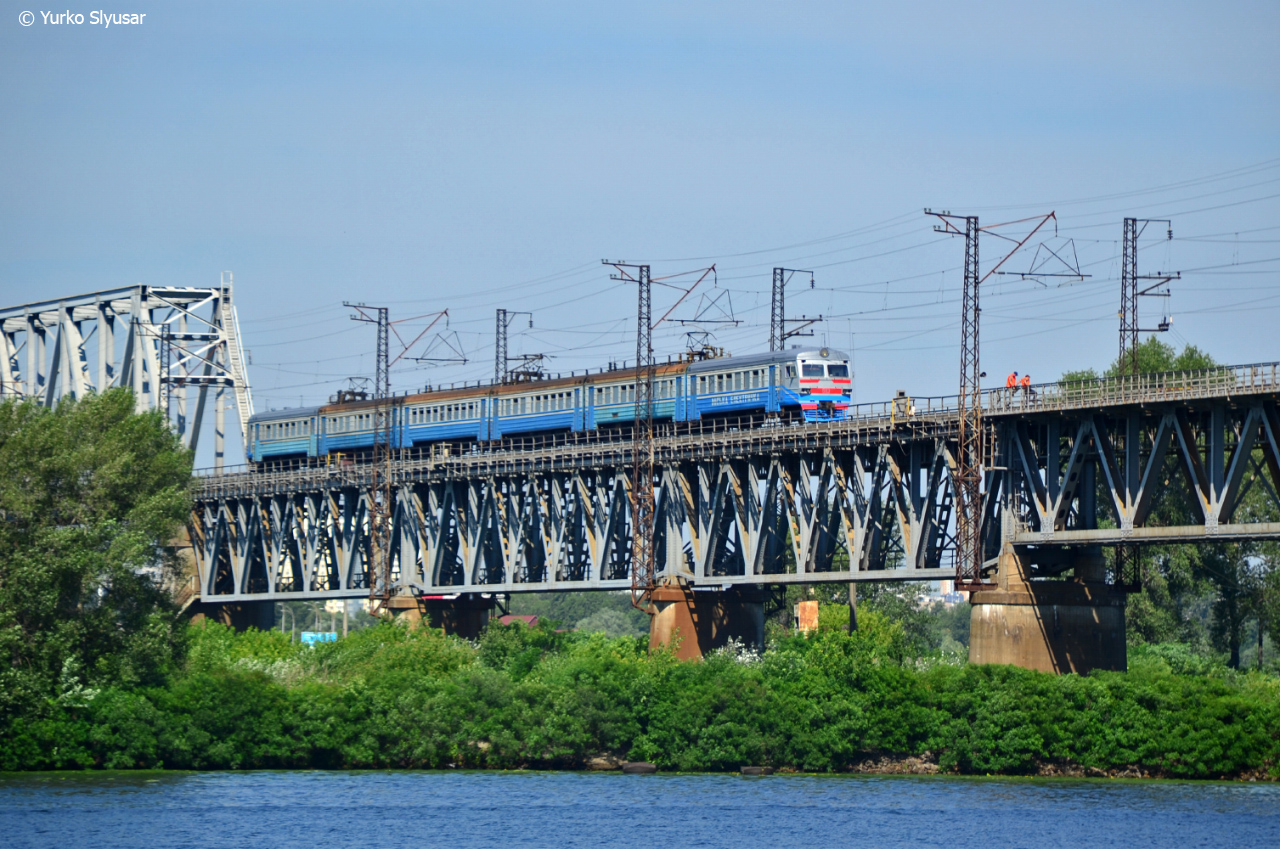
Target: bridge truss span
x,y
1071,468
768,506
1100,477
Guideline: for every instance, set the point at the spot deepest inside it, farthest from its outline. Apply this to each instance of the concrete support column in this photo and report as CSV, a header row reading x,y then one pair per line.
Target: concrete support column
x,y
1053,626
241,615
465,615
698,622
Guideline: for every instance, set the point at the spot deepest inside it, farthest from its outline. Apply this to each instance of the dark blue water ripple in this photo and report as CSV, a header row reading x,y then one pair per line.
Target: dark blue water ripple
x,y
458,810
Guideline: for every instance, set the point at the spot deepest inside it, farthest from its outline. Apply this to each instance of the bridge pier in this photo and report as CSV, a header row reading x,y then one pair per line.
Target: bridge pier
x,y
464,615
698,622
1054,626
241,615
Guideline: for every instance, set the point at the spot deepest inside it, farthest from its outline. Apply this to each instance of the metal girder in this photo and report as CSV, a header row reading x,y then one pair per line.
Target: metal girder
x,y
102,340
830,514
1123,458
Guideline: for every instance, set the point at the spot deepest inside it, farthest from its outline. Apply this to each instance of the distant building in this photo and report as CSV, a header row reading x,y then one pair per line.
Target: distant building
x,y
531,621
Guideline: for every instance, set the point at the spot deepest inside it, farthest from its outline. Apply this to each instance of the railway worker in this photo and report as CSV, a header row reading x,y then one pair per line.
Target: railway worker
x,y
1010,387
1025,383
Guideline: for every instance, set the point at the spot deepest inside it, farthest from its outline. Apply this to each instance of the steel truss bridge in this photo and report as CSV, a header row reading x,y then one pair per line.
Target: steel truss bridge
x,y
1068,467
177,348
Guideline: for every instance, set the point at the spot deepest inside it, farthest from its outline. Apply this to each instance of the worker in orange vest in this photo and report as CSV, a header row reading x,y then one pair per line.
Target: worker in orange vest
x,y
1011,382
1025,383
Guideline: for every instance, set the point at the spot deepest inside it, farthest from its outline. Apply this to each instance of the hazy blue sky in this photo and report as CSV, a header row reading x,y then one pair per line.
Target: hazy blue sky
x,y
473,156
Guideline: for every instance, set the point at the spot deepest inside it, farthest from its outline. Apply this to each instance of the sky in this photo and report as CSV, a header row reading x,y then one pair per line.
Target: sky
x,y
469,157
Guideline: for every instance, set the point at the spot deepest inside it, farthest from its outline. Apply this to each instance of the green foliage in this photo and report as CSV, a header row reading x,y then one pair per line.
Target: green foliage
x,y
1156,356
531,697
1153,356
90,492
614,623
570,609
1078,376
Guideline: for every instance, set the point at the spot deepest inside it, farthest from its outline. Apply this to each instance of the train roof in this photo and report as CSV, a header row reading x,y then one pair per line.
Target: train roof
x,y
767,359
290,413
559,383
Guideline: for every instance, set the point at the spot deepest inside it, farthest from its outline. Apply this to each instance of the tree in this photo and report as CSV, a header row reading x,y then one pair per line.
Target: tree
x,y
90,493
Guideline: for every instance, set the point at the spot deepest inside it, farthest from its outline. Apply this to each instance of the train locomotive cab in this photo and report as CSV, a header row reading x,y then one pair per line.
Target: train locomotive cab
x,y
823,384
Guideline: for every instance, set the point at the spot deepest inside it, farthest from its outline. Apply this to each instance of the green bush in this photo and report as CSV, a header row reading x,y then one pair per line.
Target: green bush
x,y
531,697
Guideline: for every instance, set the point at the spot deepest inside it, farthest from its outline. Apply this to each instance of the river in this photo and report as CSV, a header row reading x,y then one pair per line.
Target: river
x,y
562,810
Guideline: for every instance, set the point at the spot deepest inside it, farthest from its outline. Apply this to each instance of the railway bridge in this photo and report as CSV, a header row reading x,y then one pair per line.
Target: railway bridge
x,y
743,507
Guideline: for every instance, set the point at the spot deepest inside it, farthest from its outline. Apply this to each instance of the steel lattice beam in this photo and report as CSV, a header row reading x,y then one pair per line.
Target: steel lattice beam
x,y
165,343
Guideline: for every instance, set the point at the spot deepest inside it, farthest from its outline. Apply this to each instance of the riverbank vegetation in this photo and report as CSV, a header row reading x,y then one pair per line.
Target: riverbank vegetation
x,y
391,697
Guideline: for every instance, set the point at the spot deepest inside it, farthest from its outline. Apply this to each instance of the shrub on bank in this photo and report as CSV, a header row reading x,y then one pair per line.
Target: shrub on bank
x,y
531,697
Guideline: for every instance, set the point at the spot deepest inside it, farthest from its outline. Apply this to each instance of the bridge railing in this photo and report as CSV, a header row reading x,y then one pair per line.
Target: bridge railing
x,y
1140,389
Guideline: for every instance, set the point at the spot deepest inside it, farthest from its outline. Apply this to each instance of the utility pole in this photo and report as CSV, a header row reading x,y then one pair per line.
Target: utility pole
x,y
500,359
778,333
1131,288
969,459
643,565
380,492
642,497
380,475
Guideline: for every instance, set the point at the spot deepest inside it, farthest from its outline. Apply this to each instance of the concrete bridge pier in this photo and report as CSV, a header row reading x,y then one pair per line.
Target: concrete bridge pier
x,y
463,615
698,622
1052,625
241,615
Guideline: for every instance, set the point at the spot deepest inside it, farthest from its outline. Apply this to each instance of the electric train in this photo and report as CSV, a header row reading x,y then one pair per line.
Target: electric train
x,y
812,384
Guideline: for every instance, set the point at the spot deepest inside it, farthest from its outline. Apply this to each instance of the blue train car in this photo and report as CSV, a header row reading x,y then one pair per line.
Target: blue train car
x,y
283,433
816,383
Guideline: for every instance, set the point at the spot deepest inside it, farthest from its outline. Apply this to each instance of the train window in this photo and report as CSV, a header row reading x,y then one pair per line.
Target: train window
x,y
837,370
737,380
811,370
791,371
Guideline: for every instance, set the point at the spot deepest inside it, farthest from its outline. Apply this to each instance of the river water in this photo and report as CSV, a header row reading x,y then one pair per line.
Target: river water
x,y
563,810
